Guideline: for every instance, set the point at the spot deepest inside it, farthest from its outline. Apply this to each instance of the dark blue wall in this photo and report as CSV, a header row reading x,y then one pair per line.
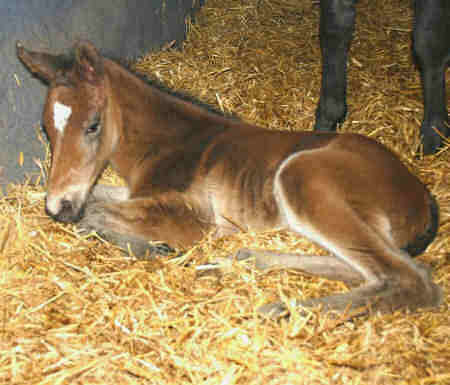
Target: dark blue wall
x,y
120,28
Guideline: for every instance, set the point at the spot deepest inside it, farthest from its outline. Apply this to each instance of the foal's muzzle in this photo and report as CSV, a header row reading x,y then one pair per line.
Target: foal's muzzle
x,y
66,211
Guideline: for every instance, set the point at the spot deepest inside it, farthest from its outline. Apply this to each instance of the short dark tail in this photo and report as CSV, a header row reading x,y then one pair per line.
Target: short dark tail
x,y
419,245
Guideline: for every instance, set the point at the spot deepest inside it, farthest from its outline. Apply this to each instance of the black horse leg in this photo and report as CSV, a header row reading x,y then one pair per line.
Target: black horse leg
x,y
337,22
432,49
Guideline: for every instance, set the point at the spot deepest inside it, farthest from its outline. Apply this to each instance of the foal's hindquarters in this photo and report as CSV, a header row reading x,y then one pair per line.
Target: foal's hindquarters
x,y
359,202
351,196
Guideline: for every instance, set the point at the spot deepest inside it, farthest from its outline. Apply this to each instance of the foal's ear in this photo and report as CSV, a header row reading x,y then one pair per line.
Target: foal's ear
x,y
89,62
43,65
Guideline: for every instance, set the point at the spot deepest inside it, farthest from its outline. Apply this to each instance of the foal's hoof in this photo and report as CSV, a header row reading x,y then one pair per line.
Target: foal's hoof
x,y
144,250
161,249
243,254
274,311
261,258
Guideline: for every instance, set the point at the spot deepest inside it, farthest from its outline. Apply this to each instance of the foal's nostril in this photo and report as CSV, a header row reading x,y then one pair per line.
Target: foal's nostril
x,y
66,212
66,206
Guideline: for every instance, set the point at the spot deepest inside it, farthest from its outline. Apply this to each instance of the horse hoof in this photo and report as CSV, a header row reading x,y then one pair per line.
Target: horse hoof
x,y
161,249
274,311
243,254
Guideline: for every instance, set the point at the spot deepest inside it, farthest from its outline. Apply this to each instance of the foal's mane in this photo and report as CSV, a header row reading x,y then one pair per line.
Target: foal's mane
x,y
152,82
67,62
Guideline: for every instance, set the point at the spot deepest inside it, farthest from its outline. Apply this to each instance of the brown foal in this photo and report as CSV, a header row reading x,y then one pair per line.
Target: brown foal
x,y
190,171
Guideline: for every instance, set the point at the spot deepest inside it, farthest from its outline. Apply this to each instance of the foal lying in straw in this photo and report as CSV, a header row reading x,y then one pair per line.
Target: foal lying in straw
x,y
190,171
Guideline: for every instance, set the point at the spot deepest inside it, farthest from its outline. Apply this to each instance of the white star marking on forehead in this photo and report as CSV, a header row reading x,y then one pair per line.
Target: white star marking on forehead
x,y
61,115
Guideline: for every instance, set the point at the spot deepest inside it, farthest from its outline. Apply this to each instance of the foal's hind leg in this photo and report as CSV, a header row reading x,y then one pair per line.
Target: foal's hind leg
x,y
391,278
328,266
132,224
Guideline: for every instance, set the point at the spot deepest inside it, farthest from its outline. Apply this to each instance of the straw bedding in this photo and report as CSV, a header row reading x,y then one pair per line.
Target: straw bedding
x,y
74,310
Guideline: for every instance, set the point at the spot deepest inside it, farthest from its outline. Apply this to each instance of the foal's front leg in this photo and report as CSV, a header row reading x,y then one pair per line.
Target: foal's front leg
x,y
107,193
133,224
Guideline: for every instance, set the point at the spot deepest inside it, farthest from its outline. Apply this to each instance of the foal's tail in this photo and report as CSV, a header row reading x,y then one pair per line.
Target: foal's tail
x,y
419,245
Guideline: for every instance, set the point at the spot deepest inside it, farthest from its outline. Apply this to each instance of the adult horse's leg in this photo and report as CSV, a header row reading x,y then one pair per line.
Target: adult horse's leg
x,y
337,21
432,49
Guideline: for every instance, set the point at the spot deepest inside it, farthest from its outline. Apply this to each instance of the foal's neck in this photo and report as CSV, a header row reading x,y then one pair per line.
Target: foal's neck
x,y
155,124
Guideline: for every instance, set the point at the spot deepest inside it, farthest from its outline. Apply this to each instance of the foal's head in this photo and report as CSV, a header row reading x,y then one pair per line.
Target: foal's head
x,y
79,122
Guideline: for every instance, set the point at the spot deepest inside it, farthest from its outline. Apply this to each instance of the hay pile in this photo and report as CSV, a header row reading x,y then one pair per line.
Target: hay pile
x,y
74,310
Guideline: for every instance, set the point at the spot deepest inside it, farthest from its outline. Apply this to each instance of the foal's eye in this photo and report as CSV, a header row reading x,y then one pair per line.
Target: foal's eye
x,y
93,129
